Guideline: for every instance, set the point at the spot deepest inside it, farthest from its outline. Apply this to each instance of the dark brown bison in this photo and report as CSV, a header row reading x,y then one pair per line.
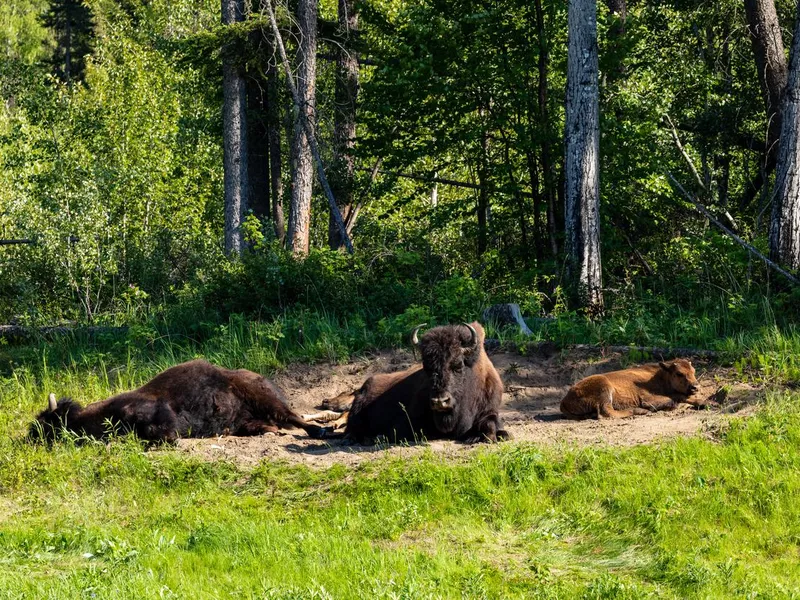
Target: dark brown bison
x,y
455,393
193,399
640,390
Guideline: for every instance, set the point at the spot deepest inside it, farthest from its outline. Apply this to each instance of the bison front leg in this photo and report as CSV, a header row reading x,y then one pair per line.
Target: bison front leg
x,y
656,403
489,430
256,428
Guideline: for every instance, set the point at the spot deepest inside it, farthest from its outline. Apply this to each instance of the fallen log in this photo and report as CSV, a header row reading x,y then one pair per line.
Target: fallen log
x,y
18,332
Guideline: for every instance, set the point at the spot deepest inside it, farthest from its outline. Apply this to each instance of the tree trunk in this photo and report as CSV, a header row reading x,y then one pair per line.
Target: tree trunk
x,y
544,117
483,194
258,163
784,234
302,160
273,118
344,133
68,49
582,141
533,174
234,131
620,12
765,34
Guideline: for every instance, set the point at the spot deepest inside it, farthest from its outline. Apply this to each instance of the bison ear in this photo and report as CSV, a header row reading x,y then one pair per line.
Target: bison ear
x,y
665,366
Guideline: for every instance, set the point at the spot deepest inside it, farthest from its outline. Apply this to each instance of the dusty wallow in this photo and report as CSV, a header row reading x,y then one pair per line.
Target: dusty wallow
x,y
636,391
193,399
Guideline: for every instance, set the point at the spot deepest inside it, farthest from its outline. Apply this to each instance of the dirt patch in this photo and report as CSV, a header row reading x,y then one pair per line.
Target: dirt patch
x,y
534,388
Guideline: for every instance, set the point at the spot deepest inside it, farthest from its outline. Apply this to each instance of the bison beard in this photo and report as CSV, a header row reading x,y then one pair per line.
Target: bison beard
x,y
193,399
455,394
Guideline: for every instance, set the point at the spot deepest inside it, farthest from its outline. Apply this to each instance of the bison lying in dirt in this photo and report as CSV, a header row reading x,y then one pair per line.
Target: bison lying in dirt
x,y
636,391
454,394
193,399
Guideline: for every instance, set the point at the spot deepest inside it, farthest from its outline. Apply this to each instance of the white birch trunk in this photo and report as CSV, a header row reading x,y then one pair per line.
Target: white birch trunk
x,y
784,234
234,132
302,160
582,142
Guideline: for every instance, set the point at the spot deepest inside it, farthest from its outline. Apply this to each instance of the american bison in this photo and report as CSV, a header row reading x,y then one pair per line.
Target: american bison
x,y
454,394
193,399
636,391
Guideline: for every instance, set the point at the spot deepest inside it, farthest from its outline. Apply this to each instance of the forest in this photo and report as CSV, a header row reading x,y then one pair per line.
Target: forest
x,y
293,186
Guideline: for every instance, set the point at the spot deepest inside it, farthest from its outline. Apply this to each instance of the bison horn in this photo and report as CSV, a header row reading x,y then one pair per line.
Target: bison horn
x,y
473,342
51,402
414,337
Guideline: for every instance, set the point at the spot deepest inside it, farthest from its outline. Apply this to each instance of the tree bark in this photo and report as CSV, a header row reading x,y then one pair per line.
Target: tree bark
x,y
544,116
483,194
234,131
302,161
258,160
784,234
582,141
344,129
273,118
765,34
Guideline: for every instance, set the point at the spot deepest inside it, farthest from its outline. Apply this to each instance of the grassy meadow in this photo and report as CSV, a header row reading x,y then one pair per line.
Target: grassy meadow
x,y
705,517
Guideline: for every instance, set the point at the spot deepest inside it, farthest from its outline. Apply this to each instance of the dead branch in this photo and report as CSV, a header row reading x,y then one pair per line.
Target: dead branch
x,y
683,152
705,212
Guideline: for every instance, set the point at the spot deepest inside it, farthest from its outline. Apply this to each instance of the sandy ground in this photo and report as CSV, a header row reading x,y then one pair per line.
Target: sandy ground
x,y
534,387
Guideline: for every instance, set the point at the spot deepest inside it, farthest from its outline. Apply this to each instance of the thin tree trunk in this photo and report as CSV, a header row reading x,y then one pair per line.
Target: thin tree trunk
x,y
302,161
275,153
234,131
533,174
582,141
483,194
68,47
765,34
258,160
344,129
544,116
619,11
784,234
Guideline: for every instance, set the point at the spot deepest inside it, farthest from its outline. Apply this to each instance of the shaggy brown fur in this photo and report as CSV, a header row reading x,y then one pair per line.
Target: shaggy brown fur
x,y
455,394
193,399
619,394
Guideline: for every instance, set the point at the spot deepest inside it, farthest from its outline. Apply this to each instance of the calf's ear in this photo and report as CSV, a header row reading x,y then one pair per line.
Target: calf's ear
x,y
666,366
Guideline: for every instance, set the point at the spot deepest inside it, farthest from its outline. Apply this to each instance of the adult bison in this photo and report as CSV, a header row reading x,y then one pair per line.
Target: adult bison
x,y
455,393
193,399
636,391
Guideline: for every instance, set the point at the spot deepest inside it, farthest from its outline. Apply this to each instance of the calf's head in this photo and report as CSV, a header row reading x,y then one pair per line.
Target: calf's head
x,y
447,355
681,376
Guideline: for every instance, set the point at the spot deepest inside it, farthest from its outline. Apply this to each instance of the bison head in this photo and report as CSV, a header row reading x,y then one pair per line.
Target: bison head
x,y
681,376
448,354
52,420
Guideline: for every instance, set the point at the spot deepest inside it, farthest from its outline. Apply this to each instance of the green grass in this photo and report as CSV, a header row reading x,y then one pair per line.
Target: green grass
x,y
689,518
684,519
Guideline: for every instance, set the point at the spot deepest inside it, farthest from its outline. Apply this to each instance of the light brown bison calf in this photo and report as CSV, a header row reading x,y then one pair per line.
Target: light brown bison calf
x,y
636,391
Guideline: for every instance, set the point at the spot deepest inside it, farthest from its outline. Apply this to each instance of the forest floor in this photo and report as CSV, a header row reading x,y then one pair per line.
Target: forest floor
x,y
534,386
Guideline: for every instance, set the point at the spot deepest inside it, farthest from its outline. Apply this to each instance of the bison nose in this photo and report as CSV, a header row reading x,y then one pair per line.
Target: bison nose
x,y
693,388
441,403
